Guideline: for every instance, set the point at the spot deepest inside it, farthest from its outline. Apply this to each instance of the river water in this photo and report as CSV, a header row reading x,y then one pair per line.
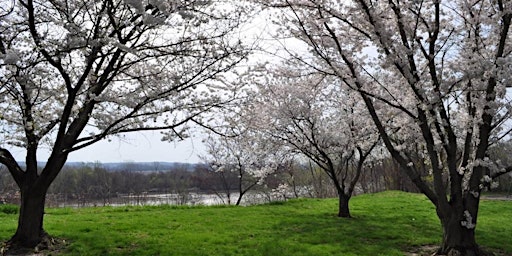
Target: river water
x,y
147,199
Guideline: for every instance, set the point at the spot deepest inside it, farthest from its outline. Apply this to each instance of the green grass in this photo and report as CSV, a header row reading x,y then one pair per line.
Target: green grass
x,y
388,223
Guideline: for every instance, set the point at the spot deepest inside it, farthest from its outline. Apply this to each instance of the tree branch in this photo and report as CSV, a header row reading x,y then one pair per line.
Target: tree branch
x,y
14,168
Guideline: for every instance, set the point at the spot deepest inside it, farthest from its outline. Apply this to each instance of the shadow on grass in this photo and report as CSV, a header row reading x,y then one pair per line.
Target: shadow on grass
x,y
327,234
393,232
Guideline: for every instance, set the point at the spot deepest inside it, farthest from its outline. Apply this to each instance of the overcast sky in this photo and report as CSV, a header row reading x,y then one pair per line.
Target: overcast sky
x,y
141,147
136,147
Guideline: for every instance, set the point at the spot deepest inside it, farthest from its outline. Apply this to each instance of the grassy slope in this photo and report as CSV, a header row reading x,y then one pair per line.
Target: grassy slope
x,y
386,223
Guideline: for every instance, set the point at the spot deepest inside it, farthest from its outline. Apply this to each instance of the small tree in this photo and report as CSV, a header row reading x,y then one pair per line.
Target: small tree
x,y
102,184
221,183
242,155
180,181
313,117
76,72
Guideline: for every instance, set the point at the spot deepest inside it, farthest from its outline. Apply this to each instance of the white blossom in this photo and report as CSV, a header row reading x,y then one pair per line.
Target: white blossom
x,y
468,222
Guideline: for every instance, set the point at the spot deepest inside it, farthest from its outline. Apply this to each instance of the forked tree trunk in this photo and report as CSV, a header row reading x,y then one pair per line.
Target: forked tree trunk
x,y
343,208
33,186
30,230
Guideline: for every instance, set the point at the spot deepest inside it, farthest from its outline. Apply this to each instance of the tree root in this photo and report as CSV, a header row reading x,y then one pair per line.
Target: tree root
x,y
457,252
47,245
433,250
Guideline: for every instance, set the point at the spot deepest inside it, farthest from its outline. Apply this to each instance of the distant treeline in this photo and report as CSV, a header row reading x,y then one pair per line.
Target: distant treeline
x,y
88,183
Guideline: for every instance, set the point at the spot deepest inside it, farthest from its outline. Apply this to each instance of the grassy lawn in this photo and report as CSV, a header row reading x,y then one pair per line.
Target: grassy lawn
x,y
388,223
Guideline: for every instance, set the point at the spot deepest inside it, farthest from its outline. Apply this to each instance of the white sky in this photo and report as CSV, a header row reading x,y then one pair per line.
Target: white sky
x,y
141,147
134,147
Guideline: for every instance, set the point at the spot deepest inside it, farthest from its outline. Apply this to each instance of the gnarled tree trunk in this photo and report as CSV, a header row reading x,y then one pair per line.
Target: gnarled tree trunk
x,y
457,239
33,188
30,230
458,221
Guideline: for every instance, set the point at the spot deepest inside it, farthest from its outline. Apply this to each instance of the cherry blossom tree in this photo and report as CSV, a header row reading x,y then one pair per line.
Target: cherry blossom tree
x,y
245,154
75,72
442,67
318,119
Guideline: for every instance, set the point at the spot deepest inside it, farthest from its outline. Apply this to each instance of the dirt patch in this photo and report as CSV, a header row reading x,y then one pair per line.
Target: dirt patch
x,y
431,250
424,250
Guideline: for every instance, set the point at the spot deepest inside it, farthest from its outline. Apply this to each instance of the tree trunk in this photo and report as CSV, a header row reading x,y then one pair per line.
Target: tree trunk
x,y
457,238
343,209
239,200
30,223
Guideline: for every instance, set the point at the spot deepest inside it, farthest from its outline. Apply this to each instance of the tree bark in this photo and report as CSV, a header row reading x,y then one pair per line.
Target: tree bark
x,y
343,208
30,230
239,200
459,223
458,239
